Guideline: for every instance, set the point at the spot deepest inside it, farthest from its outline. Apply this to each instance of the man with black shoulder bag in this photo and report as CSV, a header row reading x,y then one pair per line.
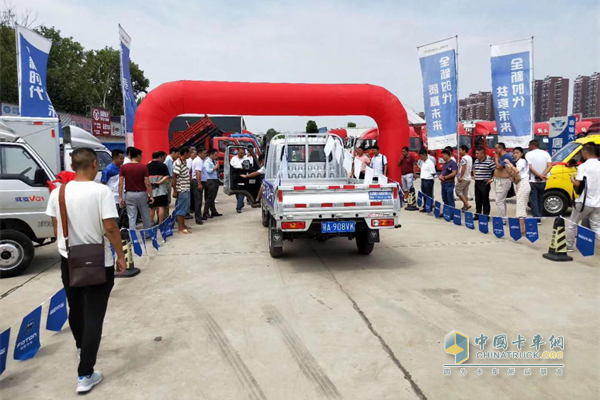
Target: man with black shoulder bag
x,y
587,185
83,213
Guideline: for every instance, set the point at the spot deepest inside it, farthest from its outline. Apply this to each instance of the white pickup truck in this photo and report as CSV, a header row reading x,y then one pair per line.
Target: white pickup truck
x,y
313,197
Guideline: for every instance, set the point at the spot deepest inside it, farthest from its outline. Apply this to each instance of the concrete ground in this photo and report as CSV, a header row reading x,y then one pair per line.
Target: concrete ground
x,y
213,316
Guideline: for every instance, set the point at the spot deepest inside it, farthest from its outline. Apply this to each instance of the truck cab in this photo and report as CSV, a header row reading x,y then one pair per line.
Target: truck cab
x,y
24,177
75,137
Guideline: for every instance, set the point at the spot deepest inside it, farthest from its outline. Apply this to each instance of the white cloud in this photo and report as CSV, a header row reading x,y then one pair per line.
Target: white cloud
x,y
327,41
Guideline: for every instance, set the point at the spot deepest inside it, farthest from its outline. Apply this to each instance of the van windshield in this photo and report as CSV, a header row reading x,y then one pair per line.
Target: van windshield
x,y
565,152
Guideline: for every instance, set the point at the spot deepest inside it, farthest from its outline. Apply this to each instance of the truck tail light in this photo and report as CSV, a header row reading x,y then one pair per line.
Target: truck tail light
x,y
280,196
382,222
293,225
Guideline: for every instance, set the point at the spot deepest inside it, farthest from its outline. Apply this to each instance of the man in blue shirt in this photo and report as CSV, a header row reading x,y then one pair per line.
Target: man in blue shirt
x,y
210,171
447,178
110,177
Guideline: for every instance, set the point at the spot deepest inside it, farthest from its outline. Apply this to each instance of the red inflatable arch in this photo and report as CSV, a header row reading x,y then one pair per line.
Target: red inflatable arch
x,y
171,99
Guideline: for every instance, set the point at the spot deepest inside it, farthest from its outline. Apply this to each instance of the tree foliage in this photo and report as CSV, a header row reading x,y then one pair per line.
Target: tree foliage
x,y
269,135
351,125
311,127
76,78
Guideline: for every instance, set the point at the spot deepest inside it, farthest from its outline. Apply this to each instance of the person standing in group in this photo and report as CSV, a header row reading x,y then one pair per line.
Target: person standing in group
x,y
484,168
522,187
407,170
447,176
134,178
365,161
587,184
211,174
261,172
241,161
501,177
189,161
451,150
379,162
197,188
540,164
169,160
159,176
90,214
110,177
464,177
427,175
181,189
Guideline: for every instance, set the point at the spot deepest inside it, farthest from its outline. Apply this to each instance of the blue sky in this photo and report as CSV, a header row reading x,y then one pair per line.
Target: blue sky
x,y
329,41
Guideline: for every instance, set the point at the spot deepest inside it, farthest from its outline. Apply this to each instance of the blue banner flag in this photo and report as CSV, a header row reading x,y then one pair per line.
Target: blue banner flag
x,y
57,311
448,212
531,229
163,230
498,226
437,209
4,340
129,101
511,89
428,203
484,223
514,228
32,65
469,220
586,241
28,339
154,236
420,199
561,133
438,68
143,234
137,248
457,216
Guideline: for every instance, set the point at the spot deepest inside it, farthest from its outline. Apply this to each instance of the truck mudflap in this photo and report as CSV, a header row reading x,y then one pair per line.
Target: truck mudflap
x,y
276,236
373,236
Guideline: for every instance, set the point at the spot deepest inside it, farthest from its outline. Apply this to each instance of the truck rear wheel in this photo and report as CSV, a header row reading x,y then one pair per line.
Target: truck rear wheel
x,y
362,243
16,253
265,218
275,251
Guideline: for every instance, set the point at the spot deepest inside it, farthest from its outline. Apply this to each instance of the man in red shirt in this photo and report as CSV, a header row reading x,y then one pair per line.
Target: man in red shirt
x,y
135,178
407,168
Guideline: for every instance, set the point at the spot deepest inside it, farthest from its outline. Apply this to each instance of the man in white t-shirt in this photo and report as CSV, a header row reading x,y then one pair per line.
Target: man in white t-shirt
x,y
427,175
91,215
196,185
540,164
463,177
588,203
378,162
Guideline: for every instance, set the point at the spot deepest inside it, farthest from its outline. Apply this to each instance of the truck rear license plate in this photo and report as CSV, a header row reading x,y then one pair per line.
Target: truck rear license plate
x,y
338,227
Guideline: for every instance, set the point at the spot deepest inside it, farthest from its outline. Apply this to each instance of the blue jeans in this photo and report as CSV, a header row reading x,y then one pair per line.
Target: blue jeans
x,y
240,201
536,198
427,187
182,204
448,193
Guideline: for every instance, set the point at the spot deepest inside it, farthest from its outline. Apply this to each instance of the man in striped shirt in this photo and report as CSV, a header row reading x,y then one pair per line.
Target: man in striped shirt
x,y
181,189
483,170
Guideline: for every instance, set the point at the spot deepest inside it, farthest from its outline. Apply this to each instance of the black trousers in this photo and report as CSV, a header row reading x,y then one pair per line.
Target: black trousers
x,y
197,196
87,308
211,190
482,197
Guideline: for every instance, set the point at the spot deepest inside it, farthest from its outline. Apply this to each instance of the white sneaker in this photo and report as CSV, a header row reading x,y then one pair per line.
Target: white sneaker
x,y
86,383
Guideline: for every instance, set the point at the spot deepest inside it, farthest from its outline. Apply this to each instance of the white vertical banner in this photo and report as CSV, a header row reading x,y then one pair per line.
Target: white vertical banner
x,y
512,82
440,90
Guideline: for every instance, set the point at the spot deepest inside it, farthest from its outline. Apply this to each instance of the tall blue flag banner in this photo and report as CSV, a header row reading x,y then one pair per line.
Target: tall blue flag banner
x,y
57,311
428,201
586,240
129,103
498,225
438,68
514,228
32,65
469,220
511,89
561,133
531,229
28,339
484,221
4,339
437,209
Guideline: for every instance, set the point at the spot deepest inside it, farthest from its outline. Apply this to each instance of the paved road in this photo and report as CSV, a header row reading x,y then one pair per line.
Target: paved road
x,y
213,316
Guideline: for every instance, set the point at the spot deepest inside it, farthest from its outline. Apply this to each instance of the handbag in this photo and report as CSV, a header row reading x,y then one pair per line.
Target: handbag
x,y
85,261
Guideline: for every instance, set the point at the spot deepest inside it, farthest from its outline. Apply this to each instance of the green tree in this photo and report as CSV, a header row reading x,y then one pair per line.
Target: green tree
x,y
351,125
311,127
268,136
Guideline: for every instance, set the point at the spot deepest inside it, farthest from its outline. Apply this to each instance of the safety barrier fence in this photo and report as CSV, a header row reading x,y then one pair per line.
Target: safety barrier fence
x,y
585,238
27,343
